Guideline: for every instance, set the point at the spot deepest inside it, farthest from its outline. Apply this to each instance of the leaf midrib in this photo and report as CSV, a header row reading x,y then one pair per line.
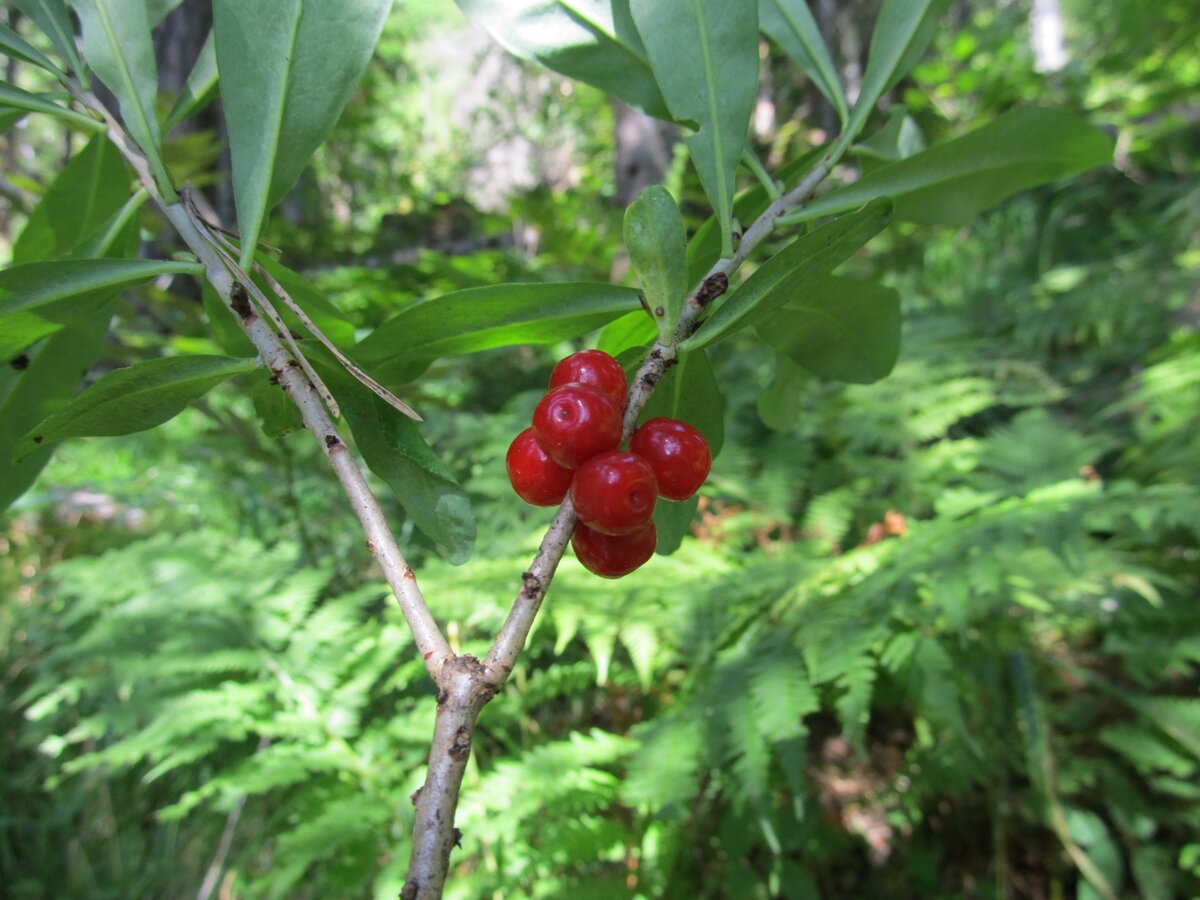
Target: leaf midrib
x,y
123,70
274,133
710,79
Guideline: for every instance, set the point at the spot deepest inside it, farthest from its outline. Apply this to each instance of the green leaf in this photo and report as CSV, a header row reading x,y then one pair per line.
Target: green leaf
x,y
705,57
689,392
949,183
136,398
9,118
900,138
50,373
790,25
902,32
276,412
87,192
635,329
15,98
672,521
287,69
393,449
54,20
790,271
12,44
839,328
118,48
778,404
200,87
657,245
37,299
494,316
117,235
590,40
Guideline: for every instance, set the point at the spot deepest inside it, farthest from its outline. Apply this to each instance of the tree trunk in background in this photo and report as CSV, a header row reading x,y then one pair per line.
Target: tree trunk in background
x,y
644,149
1047,36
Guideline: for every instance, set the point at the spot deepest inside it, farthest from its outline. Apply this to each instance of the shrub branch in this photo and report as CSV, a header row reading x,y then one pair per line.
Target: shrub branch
x,y
465,685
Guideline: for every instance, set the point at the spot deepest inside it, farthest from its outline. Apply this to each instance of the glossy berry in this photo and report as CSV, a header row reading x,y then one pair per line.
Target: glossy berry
x,y
615,492
575,422
678,454
535,477
596,369
611,556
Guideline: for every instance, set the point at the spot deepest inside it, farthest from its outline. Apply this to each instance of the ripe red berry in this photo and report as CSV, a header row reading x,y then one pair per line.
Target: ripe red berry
x,y
535,477
678,454
575,422
596,369
615,492
611,556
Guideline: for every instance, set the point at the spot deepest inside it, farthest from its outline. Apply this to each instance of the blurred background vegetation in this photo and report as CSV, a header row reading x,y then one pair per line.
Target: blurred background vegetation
x,y
937,636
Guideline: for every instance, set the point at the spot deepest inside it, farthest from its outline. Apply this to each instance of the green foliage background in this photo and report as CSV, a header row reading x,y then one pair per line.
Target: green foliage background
x,y
935,636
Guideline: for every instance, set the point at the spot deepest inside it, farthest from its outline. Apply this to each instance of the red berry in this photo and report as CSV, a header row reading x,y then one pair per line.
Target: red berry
x,y
535,477
615,492
611,556
596,369
678,454
575,422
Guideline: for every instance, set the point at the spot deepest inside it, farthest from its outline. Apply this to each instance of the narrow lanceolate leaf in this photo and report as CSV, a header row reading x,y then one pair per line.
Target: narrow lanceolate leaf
x,y
137,398
902,32
785,276
39,384
15,98
287,69
73,218
52,17
12,44
37,299
483,318
657,245
593,41
704,54
118,48
392,446
951,182
840,328
791,26
90,189
200,87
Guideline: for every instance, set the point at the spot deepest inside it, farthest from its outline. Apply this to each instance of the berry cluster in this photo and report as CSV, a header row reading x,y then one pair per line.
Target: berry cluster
x,y
573,447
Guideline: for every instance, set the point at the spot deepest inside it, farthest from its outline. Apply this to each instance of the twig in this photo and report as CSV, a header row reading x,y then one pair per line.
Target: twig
x,y
228,280
348,364
380,541
213,875
267,308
